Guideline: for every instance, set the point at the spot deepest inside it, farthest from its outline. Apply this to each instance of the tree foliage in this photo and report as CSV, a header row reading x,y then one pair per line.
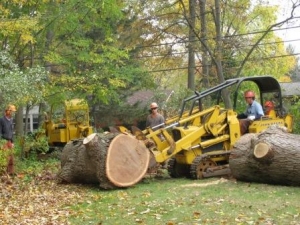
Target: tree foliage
x,y
248,43
106,49
77,43
20,86
85,46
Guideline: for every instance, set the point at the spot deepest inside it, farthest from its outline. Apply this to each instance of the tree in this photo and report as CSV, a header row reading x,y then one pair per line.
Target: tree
x,y
76,43
294,73
237,46
20,86
191,50
262,17
91,61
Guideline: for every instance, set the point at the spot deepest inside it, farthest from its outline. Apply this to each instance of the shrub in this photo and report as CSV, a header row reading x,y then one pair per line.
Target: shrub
x,y
294,110
4,153
36,143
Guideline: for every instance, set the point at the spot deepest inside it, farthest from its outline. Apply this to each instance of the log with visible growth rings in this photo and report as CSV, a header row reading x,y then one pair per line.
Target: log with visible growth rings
x,y
112,160
271,157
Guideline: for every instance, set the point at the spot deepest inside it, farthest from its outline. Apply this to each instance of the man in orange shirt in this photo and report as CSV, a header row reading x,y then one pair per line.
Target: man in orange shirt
x,y
268,107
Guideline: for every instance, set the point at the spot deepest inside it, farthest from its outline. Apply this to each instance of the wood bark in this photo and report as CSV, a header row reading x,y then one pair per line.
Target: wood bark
x,y
271,157
110,160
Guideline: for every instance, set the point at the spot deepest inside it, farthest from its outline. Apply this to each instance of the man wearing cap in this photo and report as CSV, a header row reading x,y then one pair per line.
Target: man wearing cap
x,y
155,120
6,133
254,111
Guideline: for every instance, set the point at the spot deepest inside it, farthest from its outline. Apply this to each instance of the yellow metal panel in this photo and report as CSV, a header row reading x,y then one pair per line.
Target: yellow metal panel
x,y
72,133
58,135
261,125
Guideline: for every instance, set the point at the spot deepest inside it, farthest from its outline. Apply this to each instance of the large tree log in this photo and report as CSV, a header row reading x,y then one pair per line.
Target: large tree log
x,y
272,157
112,160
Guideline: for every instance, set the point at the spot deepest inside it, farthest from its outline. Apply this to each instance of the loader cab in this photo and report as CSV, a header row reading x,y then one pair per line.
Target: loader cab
x,y
67,121
266,88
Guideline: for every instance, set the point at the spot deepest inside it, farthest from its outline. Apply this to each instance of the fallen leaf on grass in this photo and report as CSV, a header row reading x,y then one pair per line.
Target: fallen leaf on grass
x,y
37,203
222,180
146,211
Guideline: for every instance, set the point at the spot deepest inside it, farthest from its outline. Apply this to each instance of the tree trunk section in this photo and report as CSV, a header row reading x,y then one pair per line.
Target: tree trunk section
x,y
110,160
271,157
205,54
191,46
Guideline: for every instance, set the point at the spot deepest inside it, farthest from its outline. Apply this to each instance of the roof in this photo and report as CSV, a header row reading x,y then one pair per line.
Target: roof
x,y
290,89
265,83
144,97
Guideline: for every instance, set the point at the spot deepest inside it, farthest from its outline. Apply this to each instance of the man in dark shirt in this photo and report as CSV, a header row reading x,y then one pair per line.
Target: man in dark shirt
x,y
154,120
6,133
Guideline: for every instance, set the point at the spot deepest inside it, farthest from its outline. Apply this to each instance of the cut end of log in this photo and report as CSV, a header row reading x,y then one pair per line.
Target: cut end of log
x,y
89,138
261,150
127,160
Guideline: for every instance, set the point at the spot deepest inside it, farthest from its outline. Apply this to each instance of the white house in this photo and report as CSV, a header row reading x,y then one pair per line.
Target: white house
x,y
33,117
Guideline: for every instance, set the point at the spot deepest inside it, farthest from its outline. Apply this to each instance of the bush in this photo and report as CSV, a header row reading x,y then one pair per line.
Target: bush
x,y
294,110
4,153
36,143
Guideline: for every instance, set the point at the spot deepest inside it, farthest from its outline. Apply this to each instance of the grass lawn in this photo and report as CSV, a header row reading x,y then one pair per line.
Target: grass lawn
x,y
34,197
184,201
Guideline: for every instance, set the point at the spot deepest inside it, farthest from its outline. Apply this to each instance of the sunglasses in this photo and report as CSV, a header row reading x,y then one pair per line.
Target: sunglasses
x,y
153,108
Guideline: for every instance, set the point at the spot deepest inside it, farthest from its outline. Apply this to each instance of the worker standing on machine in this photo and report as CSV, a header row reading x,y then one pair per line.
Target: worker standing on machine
x,y
254,111
155,120
6,133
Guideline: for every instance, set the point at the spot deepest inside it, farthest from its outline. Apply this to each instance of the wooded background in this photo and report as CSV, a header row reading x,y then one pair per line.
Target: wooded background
x,y
105,50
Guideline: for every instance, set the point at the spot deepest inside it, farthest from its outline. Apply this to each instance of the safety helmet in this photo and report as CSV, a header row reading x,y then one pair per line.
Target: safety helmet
x,y
269,104
11,108
153,105
249,94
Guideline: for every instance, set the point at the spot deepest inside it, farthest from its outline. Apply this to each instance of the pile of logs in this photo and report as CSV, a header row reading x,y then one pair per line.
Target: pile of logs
x,y
120,160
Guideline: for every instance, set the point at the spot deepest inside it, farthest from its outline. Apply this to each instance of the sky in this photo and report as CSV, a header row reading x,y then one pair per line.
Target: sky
x,y
291,35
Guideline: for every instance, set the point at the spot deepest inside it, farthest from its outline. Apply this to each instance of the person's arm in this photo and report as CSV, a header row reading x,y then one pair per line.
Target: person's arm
x,y
162,120
241,116
1,128
147,122
259,111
